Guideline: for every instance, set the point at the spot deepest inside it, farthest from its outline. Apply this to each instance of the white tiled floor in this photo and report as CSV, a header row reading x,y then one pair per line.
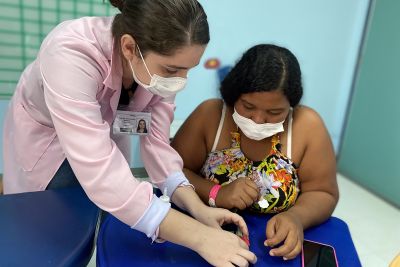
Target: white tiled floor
x,y
374,224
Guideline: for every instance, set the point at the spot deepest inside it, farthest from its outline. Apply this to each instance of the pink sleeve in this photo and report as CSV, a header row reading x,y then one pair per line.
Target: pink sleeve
x,y
162,162
71,76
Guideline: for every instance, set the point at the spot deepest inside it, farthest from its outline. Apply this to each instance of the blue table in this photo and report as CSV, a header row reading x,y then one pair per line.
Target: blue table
x,y
48,228
118,245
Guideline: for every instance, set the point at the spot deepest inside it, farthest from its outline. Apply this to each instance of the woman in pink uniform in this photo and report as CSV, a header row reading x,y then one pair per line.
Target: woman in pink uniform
x,y
67,121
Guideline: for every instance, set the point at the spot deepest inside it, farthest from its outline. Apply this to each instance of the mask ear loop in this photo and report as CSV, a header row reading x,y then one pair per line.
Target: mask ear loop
x,y
278,135
237,131
144,62
237,127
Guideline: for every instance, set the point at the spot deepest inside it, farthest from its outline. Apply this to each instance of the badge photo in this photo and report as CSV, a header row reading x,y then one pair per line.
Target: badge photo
x,y
132,123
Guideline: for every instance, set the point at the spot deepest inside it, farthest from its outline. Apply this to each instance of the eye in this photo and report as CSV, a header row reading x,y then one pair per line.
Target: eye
x,y
171,71
275,112
247,106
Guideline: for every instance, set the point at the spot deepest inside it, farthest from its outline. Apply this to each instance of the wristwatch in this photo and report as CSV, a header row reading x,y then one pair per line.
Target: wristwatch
x,y
213,195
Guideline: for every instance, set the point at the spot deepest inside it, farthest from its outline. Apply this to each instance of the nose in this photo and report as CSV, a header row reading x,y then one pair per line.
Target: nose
x,y
259,118
183,73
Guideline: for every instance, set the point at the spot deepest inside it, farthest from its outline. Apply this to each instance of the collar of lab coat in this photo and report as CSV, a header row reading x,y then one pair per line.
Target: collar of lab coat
x,y
114,76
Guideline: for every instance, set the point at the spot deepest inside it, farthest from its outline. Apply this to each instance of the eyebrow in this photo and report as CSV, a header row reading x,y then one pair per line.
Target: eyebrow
x,y
179,67
247,103
271,109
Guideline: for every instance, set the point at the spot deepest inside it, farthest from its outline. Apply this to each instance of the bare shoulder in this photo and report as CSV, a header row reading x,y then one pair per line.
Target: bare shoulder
x,y
206,116
310,136
308,127
210,107
307,118
209,113
199,128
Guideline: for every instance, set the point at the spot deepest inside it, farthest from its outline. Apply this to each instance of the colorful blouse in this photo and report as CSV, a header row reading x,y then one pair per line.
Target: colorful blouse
x,y
275,176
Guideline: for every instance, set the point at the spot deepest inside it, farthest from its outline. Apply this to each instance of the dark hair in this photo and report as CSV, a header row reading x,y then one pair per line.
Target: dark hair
x,y
138,127
264,68
161,26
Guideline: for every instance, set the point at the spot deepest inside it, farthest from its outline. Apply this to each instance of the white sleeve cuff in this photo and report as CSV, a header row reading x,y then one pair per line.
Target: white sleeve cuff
x,y
150,221
173,181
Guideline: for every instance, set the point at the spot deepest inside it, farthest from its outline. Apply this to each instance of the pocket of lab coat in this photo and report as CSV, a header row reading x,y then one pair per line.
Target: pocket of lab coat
x,y
31,139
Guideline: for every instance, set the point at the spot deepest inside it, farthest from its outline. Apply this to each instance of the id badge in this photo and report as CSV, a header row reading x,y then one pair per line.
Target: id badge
x,y
129,122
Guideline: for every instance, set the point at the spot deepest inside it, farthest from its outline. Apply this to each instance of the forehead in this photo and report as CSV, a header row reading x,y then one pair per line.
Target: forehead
x,y
272,99
184,57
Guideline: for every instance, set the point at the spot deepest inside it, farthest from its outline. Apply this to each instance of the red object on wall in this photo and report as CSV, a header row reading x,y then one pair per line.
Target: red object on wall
x,y
212,63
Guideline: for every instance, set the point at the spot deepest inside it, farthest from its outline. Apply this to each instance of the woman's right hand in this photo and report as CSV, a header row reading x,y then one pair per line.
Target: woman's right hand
x,y
240,194
222,248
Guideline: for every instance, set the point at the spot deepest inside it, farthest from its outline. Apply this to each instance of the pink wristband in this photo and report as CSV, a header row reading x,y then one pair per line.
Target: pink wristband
x,y
213,195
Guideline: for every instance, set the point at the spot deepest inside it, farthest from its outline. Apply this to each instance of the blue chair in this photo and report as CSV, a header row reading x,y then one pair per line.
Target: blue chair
x,y
48,228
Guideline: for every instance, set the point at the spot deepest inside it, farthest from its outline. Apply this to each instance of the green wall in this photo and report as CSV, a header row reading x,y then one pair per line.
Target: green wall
x,y
25,23
370,153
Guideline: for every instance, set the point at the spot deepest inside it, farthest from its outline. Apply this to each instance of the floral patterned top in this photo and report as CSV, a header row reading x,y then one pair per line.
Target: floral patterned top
x,y
275,176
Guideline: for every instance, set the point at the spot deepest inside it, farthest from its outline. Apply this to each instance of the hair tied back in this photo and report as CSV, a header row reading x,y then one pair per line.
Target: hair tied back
x,y
118,4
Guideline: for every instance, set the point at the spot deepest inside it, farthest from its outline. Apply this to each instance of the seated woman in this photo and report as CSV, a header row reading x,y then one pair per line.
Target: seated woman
x,y
258,149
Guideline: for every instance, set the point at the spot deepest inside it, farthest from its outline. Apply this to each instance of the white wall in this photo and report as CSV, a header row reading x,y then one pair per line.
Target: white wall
x,y
324,35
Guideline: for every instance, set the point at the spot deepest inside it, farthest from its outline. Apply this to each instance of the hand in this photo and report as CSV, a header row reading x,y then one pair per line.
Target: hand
x,y
218,247
285,227
222,248
240,194
216,217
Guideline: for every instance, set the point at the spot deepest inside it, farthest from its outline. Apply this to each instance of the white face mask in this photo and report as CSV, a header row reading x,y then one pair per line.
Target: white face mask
x,y
164,87
254,130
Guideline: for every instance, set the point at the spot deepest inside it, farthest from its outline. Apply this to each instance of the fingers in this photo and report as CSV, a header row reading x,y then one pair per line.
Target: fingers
x,y
296,250
243,258
277,238
289,249
276,234
230,217
241,205
247,200
253,190
246,240
243,244
270,230
248,255
238,220
242,193
237,260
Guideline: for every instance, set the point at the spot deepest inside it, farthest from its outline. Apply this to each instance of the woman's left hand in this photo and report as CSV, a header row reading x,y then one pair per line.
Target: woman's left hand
x,y
284,227
216,217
